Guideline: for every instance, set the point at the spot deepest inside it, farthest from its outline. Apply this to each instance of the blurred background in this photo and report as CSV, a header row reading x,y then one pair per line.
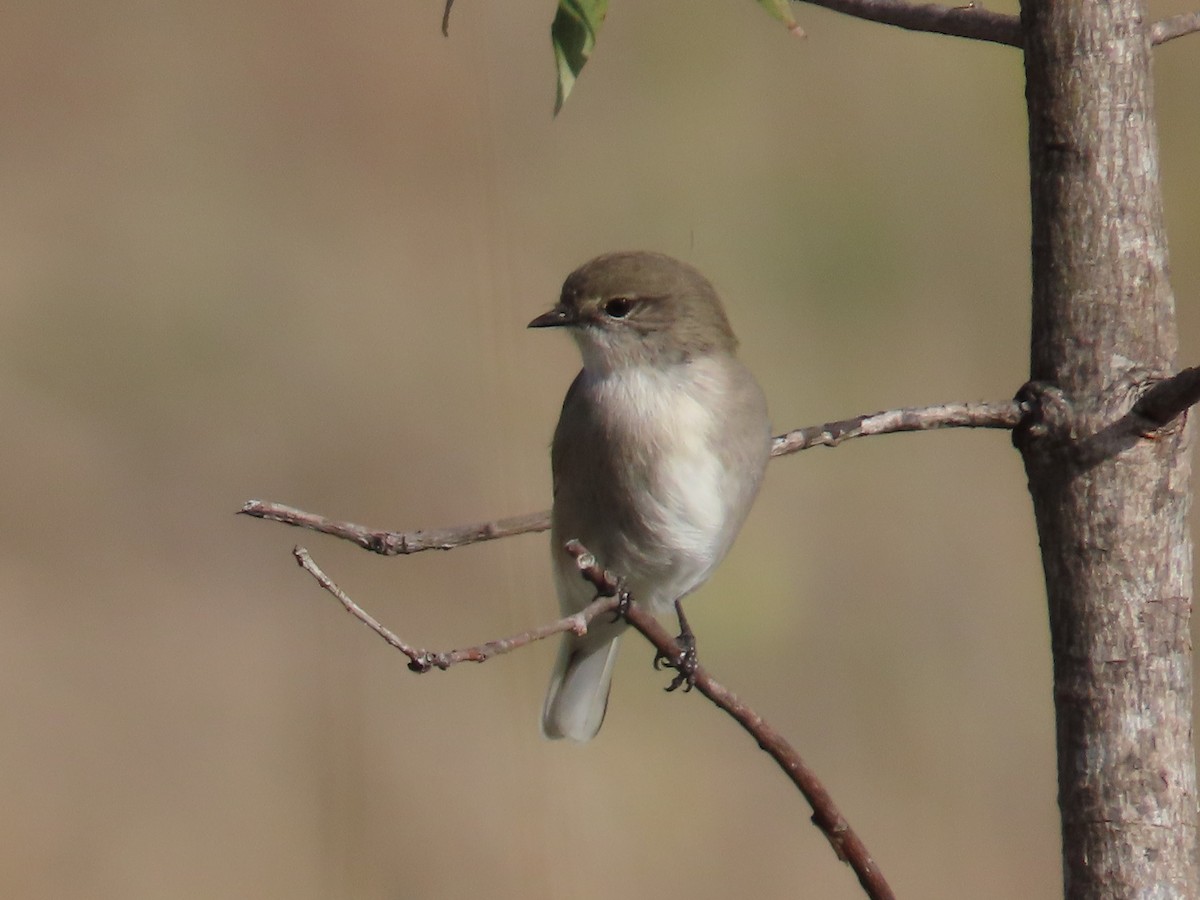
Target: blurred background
x,y
288,250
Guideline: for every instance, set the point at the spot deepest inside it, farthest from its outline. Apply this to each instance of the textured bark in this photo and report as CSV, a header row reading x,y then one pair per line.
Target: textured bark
x,y
1111,514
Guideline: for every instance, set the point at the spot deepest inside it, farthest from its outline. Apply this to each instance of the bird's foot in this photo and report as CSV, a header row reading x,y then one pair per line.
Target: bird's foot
x,y
687,663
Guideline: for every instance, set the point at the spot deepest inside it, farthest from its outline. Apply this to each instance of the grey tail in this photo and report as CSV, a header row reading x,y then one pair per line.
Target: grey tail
x,y
578,695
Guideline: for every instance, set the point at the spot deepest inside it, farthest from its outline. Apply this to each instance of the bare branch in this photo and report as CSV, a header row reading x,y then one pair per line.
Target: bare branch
x,y
446,18
399,543
972,21
969,21
1169,398
421,660
306,563
1176,26
922,418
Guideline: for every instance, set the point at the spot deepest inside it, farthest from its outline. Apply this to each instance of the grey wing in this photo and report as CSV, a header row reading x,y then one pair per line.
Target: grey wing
x,y
580,483
569,432
558,449
746,447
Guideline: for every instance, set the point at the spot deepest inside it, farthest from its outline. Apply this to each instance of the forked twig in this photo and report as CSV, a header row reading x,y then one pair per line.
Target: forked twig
x,y
421,660
846,843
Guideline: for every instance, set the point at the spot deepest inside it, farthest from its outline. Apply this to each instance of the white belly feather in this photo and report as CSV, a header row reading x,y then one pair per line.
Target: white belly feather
x,y
685,501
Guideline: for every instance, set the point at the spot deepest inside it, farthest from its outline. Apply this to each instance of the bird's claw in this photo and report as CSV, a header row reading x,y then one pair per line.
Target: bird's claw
x,y
685,666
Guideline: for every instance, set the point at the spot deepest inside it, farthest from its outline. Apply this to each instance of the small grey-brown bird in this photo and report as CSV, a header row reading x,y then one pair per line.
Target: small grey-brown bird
x,y
659,451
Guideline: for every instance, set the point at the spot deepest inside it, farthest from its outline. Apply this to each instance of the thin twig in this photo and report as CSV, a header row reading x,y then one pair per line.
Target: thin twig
x,y
917,418
421,660
1176,26
831,434
968,21
446,18
398,543
306,563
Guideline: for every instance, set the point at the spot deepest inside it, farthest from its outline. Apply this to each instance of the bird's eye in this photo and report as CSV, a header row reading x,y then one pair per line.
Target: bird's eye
x,y
618,307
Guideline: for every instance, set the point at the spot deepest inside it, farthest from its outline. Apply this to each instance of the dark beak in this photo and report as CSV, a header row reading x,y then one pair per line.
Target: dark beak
x,y
560,315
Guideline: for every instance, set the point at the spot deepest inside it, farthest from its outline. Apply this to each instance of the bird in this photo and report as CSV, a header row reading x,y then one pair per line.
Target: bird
x,y
658,454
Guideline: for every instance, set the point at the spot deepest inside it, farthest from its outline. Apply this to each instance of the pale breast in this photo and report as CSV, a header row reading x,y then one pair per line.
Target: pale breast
x,y
666,424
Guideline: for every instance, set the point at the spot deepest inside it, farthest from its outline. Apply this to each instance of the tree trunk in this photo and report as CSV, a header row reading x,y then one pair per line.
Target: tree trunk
x,y
1111,514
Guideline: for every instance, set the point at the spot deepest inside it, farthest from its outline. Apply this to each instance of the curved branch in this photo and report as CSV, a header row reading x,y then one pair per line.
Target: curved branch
x,y
846,843
1176,26
972,21
968,21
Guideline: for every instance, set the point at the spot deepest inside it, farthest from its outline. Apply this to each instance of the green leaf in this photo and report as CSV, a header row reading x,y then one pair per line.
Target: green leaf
x,y
782,10
573,35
